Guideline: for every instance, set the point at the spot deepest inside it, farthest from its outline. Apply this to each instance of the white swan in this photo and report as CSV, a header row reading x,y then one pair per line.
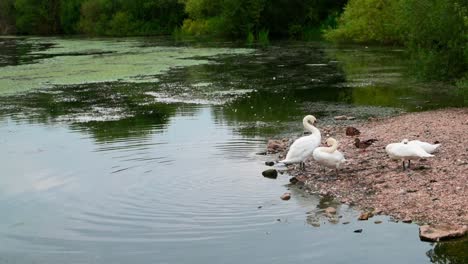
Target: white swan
x,y
405,151
428,147
329,156
303,147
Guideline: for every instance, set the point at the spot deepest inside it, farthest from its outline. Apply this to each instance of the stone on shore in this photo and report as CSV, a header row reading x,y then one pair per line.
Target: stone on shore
x,y
352,131
407,220
365,216
286,196
441,232
293,180
270,173
340,117
344,117
330,211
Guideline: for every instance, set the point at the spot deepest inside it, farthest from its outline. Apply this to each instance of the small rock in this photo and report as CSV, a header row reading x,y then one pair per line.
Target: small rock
x,y
441,232
341,117
279,220
377,222
407,220
350,118
269,163
263,153
286,196
365,216
358,231
330,211
260,207
345,223
411,191
352,131
293,180
270,173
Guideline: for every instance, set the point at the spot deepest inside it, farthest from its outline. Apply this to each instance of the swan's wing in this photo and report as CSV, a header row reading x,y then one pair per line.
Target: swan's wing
x,y
411,150
300,149
427,147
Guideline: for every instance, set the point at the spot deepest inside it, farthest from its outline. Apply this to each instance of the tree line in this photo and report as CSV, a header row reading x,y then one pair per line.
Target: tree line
x,y
220,18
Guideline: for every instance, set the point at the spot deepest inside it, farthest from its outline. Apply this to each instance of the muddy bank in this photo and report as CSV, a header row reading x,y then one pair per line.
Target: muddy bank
x,y
432,191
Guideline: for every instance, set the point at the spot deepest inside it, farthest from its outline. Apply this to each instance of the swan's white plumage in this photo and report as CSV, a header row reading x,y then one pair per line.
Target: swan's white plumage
x,y
304,146
406,151
329,156
428,147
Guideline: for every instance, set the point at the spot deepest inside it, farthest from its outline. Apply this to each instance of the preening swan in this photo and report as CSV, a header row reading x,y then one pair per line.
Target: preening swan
x,y
428,147
405,151
304,146
329,156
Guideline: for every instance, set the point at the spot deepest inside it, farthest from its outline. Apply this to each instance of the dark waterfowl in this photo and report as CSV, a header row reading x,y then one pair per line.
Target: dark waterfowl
x,y
364,144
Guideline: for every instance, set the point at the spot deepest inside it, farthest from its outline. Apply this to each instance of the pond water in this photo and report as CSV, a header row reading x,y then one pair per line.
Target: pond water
x,y
144,151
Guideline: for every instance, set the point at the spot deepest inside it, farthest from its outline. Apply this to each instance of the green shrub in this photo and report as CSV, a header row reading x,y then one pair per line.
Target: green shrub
x,y
367,21
121,24
436,37
250,38
263,38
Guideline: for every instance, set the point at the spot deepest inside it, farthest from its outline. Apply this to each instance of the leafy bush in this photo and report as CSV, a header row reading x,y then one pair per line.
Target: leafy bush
x,y
367,21
121,24
263,38
436,35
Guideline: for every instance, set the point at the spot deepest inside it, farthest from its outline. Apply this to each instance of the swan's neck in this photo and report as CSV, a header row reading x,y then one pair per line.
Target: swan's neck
x,y
332,148
311,128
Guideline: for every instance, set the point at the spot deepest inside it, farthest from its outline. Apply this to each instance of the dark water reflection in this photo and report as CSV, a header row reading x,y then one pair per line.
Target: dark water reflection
x,y
166,171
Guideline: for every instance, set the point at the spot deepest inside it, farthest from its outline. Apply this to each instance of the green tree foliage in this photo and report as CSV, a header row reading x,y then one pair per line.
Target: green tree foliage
x,y
92,17
436,34
294,17
243,18
70,15
7,18
368,21
95,15
37,16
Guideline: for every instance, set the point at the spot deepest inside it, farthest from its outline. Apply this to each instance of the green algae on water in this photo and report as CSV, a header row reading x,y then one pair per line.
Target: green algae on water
x,y
76,61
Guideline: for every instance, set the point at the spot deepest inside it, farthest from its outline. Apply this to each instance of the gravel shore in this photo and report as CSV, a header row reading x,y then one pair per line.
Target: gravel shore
x,y
432,191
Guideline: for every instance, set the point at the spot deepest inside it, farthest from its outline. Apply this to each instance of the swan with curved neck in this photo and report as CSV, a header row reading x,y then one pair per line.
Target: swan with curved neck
x,y
406,151
304,146
329,156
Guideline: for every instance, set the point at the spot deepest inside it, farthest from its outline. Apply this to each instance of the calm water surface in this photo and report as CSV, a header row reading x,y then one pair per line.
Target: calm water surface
x,y
144,151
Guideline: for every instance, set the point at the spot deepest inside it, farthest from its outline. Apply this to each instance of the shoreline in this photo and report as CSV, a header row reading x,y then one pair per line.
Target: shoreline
x,y
433,191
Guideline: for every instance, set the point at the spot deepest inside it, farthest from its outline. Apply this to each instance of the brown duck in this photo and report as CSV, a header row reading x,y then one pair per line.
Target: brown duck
x,y
352,131
363,144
